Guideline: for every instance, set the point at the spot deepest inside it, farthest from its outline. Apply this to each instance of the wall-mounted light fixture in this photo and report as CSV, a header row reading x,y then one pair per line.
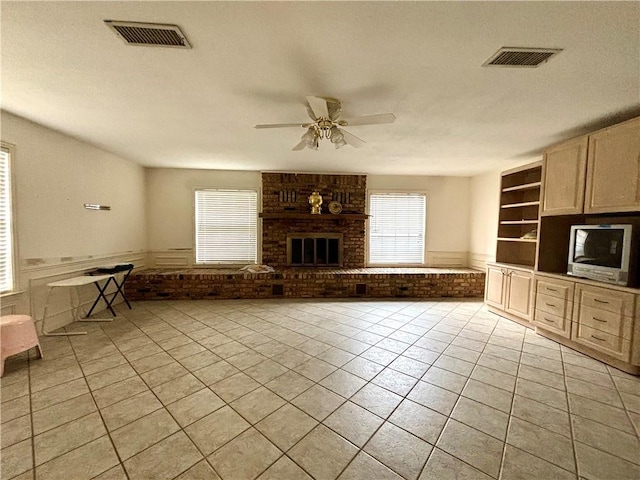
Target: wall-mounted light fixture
x,y
93,206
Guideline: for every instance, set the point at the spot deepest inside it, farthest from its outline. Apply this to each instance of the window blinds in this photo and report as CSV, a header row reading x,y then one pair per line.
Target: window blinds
x,y
6,221
397,228
226,226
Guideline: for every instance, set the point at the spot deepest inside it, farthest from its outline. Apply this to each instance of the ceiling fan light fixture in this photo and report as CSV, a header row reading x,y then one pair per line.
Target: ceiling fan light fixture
x,y
325,113
337,138
310,138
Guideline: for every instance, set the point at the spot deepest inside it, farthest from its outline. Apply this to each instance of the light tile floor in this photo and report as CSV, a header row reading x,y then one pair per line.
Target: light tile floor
x,y
315,389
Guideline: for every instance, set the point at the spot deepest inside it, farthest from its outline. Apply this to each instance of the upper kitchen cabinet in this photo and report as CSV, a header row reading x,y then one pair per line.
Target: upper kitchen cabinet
x,y
613,169
598,173
563,178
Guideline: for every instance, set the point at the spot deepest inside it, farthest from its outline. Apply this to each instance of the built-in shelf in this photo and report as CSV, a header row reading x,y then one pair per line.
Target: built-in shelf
x,y
519,215
519,222
526,186
322,216
522,204
525,240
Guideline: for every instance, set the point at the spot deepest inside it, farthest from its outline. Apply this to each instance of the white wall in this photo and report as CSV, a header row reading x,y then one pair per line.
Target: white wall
x,y
54,175
447,213
170,206
484,211
170,211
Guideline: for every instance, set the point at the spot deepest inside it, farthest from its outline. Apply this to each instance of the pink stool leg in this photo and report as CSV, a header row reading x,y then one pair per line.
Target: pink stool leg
x,y
17,334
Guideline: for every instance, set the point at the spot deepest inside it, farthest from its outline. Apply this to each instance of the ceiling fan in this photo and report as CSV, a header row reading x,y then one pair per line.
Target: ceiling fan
x,y
325,113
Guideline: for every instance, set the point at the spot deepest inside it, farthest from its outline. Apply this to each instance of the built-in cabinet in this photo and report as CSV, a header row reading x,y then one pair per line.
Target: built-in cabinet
x,y
613,171
588,180
590,317
596,173
509,290
564,171
509,282
519,215
553,305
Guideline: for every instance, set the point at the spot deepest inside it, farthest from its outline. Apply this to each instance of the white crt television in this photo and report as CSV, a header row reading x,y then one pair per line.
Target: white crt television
x,y
600,252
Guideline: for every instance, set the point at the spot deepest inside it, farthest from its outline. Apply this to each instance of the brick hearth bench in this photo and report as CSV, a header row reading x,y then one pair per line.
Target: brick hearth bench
x,y
207,283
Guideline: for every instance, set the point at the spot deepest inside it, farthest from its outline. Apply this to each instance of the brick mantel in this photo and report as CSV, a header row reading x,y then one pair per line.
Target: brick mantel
x,y
286,210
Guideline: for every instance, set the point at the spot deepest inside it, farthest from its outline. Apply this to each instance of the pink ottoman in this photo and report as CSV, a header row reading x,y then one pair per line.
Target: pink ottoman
x,y
17,334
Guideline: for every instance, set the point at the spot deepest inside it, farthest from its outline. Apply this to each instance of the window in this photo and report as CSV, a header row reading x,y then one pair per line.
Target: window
x,y
397,228
226,226
6,223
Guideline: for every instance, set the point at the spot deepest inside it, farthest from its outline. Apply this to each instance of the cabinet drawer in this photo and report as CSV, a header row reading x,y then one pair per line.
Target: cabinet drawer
x,y
604,299
609,322
555,288
553,305
553,323
610,344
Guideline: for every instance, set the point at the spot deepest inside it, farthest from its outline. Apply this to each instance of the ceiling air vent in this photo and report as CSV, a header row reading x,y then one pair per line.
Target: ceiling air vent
x,y
149,34
520,57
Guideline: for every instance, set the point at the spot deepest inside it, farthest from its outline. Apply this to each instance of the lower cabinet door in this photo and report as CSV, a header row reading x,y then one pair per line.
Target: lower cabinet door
x,y
495,291
519,294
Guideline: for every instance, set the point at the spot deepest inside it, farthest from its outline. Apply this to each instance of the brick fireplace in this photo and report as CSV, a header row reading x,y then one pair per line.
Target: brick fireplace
x,y
286,219
302,271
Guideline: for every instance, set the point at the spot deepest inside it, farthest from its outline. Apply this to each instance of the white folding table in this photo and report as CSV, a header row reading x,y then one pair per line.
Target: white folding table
x,y
73,284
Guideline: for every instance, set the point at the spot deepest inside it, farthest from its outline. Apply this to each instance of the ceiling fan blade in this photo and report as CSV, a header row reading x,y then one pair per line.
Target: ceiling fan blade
x,y
300,146
369,120
351,139
282,125
319,106
334,107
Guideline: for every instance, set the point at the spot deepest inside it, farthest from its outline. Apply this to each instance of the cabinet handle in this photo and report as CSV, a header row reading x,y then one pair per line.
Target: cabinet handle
x,y
599,338
599,301
549,304
599,320
552,289
547,320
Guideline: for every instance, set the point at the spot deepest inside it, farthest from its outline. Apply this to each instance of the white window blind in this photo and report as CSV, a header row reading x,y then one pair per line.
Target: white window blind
x,y
6,224
226,226
397,228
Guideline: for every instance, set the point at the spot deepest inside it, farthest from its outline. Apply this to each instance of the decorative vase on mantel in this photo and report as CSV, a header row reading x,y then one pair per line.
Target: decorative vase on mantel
x,y
315,200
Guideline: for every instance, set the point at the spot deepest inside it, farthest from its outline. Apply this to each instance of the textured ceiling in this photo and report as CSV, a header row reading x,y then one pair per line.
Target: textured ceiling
x,y
254,62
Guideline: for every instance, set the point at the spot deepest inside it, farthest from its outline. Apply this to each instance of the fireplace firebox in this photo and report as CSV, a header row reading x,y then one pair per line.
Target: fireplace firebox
x,y
314,250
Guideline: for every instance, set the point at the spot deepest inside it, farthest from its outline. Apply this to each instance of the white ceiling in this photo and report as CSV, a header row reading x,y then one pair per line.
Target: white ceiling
x,y
254,62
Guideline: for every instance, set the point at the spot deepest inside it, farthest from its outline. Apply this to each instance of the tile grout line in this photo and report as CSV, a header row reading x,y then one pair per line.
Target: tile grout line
x,y
164,407
387,366
449,418
115,450
33,431
510,418
359,449
227,404
571,428
404,397
251,348
635,427
572,415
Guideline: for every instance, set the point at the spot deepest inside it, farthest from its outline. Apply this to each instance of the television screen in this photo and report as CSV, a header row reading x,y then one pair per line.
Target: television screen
x,y
601,247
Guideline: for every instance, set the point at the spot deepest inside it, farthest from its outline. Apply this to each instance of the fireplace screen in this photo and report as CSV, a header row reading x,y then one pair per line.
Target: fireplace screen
x,y
310,249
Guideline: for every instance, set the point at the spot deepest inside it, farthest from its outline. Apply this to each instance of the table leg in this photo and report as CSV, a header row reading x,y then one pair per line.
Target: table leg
x,y
101,295
44,320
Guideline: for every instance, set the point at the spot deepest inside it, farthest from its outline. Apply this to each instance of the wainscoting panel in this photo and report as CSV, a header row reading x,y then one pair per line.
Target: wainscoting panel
x,y
178,258
35,274
479,260
446,259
